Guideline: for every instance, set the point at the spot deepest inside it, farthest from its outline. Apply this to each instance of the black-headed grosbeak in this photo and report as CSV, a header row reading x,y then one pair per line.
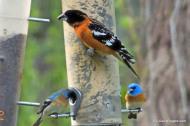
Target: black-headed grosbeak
x,y
96,36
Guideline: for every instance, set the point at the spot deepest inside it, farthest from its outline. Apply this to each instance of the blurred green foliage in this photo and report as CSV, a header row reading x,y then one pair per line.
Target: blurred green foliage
x,y
44,65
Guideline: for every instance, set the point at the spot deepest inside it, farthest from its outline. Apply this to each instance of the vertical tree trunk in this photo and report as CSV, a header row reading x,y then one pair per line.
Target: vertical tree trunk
x,y
180,31
13,31
97,77
168,55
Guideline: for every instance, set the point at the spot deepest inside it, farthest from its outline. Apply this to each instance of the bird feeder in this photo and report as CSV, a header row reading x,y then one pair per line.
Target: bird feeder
x,y
97,76
13,32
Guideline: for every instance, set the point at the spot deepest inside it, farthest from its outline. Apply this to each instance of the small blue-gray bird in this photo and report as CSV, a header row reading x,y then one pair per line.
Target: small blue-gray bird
x,y
57,99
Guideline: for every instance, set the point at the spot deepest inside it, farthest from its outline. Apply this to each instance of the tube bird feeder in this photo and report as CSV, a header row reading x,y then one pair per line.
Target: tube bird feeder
x,y
13,31
97,77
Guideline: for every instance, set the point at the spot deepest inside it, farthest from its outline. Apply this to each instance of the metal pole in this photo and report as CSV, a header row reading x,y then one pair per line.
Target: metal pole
x,y
131,110
39,19
68,114
24,103
96,77
13,35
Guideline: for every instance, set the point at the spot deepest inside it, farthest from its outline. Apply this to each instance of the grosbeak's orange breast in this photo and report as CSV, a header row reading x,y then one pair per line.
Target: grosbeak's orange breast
x,y
86,36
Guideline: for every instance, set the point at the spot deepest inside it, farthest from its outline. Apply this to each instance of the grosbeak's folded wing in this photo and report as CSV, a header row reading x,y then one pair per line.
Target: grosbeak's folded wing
x,y
103,35
107,37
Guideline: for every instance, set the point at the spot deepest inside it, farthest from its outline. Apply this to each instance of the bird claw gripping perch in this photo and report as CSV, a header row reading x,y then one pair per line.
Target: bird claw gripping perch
x,y
90,52
74,104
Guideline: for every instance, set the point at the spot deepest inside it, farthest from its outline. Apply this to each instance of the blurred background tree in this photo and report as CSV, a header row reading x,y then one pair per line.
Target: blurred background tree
x,y
156,32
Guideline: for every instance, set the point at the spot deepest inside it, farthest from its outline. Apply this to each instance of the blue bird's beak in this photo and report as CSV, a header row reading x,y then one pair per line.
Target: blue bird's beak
x,y
130,90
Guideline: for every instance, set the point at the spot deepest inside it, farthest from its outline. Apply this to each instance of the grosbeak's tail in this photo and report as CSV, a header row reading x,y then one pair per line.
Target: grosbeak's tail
x,y
127,58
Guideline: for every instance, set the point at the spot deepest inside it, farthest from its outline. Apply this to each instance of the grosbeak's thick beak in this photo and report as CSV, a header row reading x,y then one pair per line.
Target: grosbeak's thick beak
x,y
62,17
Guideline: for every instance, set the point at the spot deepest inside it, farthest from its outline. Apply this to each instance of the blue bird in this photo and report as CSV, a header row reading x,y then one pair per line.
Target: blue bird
x,y
58,98
134,99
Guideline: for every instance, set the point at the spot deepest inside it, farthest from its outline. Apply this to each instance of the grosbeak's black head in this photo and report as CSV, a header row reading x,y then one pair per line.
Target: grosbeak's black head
x,y
73,16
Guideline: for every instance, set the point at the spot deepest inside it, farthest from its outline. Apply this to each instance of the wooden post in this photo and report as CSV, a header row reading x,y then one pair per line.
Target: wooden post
x,y
13,31
97,77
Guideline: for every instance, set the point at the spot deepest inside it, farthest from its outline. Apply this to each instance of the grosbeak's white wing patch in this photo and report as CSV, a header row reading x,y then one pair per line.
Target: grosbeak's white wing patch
x,y
110,42
107,39
105,36
97,33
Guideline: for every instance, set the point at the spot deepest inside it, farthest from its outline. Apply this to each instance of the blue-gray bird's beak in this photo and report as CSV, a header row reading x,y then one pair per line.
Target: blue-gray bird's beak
x,y
62,17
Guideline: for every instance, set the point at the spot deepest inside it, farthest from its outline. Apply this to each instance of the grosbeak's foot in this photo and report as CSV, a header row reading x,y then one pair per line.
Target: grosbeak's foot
x,y
90,52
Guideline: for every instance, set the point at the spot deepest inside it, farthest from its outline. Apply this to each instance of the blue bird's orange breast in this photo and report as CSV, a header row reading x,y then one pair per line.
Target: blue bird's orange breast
x,y
138,98
133,102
